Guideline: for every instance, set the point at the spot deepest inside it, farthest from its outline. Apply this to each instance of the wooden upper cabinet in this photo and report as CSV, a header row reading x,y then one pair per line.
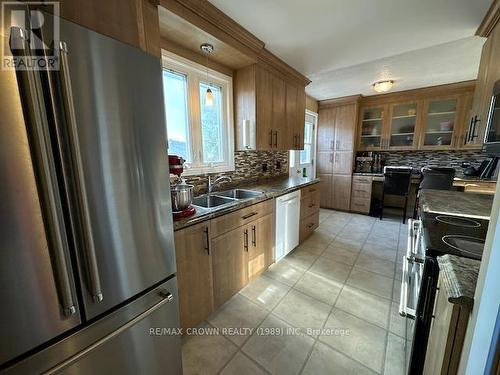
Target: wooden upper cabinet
x,y
268,105
345,127
194,274
371,128
489,73
134,22
403,121
326,129
301,117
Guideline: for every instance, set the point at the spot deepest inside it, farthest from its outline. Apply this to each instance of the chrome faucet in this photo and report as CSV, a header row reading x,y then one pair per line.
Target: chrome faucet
x,y
216,181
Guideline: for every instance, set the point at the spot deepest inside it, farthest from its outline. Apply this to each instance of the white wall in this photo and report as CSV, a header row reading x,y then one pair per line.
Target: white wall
x,y
486,300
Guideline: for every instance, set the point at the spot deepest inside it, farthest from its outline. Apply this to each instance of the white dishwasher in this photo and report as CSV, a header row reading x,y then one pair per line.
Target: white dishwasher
x,y
287,223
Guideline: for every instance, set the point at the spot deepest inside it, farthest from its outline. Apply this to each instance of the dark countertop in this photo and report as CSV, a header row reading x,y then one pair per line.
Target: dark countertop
x,y
270,188
459,277
418,175
476,206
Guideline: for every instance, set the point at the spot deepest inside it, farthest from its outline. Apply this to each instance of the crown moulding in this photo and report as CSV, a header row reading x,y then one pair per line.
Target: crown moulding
x,y
490,20
210,19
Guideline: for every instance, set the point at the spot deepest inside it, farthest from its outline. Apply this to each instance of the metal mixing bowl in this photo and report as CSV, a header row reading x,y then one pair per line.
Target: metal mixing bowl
x,y
182,196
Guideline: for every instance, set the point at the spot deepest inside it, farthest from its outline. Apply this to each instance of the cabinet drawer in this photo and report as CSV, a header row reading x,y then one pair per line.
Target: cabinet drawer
x,y
307,191
309,204
308,225
361,179
225,223
361,190
360,205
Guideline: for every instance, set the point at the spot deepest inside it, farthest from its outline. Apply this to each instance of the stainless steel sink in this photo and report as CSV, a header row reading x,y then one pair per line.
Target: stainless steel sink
x,y
239,193
210,201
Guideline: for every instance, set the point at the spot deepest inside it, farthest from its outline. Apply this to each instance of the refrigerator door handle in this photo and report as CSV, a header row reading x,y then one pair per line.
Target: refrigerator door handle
x,y
30,88
88,247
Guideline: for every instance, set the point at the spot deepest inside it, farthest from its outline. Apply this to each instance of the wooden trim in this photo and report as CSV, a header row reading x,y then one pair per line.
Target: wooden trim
x,y
311,104
421,93
328,103
210,19
193,56
490,20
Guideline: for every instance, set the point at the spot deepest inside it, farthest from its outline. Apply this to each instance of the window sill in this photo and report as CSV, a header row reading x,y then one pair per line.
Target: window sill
x,y
208,170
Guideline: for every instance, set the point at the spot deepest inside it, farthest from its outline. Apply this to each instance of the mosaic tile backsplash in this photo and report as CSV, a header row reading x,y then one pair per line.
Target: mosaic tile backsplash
x,y
248,168
419,159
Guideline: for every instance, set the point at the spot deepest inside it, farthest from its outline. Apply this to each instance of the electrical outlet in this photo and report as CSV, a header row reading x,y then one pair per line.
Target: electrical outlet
x,y
264,167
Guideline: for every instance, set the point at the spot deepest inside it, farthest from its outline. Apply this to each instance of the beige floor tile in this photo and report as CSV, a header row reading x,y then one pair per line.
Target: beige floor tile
x,y
302,258
319,287
241,365
326,361
309,249
379,252
341,254
205,355
364,305
371,282
238,312
302,311
347,244
395,356
284,272
318,240
397,323
370,263
362,341
278,353
396,291
265,291
326,267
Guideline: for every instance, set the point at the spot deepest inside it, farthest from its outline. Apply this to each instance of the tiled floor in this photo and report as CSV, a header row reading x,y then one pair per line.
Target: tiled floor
x,y
342,284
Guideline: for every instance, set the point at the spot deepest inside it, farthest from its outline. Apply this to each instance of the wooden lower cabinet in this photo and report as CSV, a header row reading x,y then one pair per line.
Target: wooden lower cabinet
x,y
325,197
194,274
230,263
341,192
309,210
308,225
261,245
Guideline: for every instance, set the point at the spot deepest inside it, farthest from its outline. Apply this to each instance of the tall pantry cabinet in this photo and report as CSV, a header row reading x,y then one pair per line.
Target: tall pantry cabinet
x,y
335,152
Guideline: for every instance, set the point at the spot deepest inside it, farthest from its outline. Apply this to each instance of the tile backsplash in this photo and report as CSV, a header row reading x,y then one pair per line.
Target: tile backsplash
x,y
248,168
419,159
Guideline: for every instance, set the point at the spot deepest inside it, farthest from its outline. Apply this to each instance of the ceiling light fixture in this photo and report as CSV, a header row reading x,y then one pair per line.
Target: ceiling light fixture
x,y
383,86
207,49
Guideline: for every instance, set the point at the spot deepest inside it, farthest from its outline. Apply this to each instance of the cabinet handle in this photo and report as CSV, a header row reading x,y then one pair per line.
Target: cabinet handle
x,y
207,243
254,236
271,138
331,145
312,205
331,157
312,190
472,129
276,140
299,142
244,217
310,225
337,144
245,240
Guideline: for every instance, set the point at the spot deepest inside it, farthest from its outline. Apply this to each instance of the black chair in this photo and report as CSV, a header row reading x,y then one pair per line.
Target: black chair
x,y
438,178
396,182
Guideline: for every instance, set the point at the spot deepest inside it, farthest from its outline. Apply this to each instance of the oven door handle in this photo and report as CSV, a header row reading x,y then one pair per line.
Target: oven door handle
x,y
404,310
413,241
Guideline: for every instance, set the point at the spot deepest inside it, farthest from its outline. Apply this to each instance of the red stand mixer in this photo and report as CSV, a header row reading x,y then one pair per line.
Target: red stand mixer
x,y
181,193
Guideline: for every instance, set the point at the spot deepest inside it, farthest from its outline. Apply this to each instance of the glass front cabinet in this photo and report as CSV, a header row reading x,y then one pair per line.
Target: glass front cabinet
x,y
435,123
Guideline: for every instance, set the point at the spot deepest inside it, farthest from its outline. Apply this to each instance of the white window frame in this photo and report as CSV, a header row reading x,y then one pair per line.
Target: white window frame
x,y
195,74
295,168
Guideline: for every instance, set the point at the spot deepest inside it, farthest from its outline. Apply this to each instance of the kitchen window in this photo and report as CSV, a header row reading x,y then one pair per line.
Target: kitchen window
x,y
200,132
304,159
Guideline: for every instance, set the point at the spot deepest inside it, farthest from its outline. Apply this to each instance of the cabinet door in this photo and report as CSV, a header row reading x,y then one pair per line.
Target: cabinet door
x,y
326,129
342,162
324,162
279,119
341,192
261,245
439,123
264,108
345,126
402,127
230,264
371,128
194,274
291,115
325,184
301,117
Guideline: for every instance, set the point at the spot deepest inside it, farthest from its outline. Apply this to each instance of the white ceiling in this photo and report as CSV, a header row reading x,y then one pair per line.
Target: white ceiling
x,y
344,46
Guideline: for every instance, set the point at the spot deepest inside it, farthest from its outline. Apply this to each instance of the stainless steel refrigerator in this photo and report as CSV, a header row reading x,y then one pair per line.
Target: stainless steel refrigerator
x,y
87,261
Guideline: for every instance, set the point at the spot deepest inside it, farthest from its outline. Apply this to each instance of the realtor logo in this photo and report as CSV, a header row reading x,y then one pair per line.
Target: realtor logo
x,y
31,35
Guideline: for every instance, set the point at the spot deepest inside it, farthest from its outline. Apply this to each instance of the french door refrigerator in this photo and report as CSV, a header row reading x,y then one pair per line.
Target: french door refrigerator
x,y
87,261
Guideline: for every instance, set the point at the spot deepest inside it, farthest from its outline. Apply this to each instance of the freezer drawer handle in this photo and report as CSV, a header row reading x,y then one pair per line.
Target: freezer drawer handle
x,y
30,87
88,248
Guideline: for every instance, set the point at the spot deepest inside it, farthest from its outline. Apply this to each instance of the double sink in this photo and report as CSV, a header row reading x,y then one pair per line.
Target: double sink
x,y
222,198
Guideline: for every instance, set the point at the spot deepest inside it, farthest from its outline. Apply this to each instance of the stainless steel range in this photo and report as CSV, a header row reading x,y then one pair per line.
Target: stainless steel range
x,y
87,262
431,236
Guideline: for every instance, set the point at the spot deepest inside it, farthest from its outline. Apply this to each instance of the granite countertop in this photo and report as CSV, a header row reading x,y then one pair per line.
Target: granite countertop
x,y
476,206
459,277
270,188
